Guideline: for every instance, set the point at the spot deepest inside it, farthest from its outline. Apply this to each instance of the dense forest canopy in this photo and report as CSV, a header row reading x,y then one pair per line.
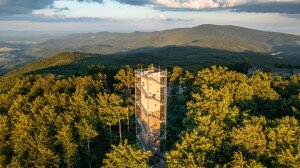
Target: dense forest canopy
x,y
238,121
216,118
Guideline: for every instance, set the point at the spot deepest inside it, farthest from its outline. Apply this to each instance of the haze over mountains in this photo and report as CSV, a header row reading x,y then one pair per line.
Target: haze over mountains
x,y
229,38
201,45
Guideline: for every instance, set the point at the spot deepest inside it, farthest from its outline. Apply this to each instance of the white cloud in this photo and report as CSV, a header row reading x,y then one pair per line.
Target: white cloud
x,y
204,4
193,4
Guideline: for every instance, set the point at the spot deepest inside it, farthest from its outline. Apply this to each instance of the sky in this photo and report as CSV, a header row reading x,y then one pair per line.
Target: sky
x,y
147,15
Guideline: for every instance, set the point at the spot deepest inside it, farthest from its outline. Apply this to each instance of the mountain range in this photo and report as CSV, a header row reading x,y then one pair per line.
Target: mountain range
x,y
195,47
228,38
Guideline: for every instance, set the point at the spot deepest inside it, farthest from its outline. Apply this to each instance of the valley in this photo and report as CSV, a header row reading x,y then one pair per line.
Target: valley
x,y
13,56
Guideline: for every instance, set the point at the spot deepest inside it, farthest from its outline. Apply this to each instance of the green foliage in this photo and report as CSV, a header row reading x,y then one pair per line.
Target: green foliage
x,y
56,121
252,136
64,137
111,110
106,108
216,118
125,78
125,85
181,86
239,161
3,137
191,151
236,121
125,155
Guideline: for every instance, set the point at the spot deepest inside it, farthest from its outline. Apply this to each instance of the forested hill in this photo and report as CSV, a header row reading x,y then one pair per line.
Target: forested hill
x,y
228,38
203,45
222,119
191,58
69,64
214,37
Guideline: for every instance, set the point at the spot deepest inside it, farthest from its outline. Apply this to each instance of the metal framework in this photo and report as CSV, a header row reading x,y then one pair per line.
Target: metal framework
x,y
151,109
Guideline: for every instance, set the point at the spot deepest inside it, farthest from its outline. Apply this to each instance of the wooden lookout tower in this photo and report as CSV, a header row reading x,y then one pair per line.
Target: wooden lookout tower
x,y
151,109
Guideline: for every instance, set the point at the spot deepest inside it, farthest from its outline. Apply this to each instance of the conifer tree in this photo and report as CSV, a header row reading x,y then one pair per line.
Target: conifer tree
x,y
125,85
3,138
125,155
175,85
64,136
111,110
86,133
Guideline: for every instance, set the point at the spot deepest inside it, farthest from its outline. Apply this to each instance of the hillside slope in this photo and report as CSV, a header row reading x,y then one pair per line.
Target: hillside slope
x,y
50,62
189,57
229,38
191,48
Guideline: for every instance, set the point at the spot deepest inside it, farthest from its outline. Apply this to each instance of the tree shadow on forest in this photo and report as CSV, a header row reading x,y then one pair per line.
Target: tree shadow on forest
x,y
271,109
188,57
3,70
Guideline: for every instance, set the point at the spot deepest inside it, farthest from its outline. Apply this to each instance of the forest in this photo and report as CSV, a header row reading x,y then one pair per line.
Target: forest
x,y
222,118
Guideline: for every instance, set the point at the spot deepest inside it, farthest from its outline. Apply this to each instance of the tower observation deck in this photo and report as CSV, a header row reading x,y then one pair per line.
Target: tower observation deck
x,y
151,109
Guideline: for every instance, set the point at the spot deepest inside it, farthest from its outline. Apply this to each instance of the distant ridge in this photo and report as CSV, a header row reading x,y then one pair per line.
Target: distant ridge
x,y
228,38
191,48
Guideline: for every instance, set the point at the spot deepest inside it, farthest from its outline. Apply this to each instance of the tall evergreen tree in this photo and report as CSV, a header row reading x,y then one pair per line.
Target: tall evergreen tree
x,y
86,133
125,85
111,111
125,155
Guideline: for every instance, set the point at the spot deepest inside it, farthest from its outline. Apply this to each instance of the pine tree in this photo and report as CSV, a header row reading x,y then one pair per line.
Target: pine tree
x,y
4,131
125,155
111,111
64,137
125,85
86,133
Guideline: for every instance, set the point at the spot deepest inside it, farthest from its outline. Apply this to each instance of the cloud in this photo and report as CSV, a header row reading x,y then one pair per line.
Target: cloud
x,y
88,1
295,16
177,19
188,4
279,7
203,4
135,2
50,17
20,7
13,7
164,18
58,9
262,6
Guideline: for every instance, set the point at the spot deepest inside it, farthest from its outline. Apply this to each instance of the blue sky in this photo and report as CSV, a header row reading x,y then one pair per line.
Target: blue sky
x,y
147,15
